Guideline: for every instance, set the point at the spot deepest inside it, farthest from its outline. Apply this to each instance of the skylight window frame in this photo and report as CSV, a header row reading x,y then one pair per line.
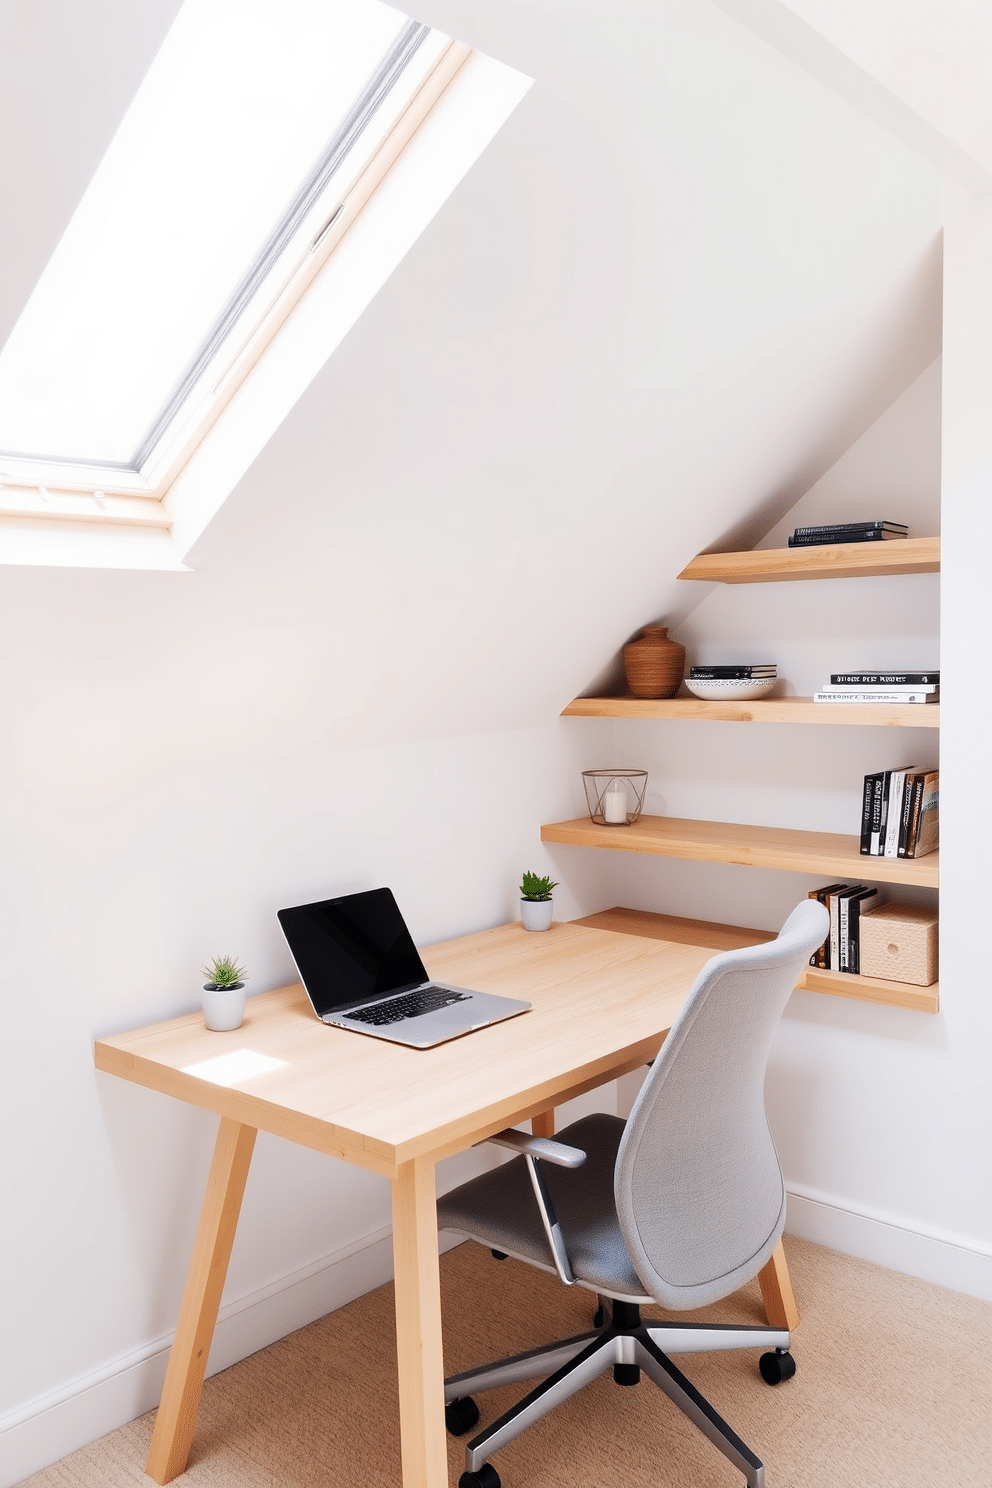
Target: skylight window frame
x,y
132,494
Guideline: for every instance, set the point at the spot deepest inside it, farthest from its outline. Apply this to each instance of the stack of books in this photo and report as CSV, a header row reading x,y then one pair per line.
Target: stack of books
x,y
841,951
847,532
763,671
900,813
880,687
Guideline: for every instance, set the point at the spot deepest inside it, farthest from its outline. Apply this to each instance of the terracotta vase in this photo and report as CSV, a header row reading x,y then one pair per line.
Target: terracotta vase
x,y
654,665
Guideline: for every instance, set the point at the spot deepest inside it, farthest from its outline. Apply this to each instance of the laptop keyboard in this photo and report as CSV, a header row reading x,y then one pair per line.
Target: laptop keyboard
x,y
410,1005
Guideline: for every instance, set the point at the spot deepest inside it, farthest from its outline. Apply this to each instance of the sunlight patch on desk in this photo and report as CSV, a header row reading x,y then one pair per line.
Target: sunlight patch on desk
x,y
231,1069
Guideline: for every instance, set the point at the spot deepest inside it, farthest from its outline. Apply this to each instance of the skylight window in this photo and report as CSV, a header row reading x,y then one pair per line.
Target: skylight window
x,y
260,132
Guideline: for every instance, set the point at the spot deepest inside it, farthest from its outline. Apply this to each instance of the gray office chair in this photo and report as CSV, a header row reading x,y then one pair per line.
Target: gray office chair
x,y
680,1205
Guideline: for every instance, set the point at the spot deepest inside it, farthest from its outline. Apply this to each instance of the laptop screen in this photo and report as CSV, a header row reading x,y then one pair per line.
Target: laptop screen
x,y
352,949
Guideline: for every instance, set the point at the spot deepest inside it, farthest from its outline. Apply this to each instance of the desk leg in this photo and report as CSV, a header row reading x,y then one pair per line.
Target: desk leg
x,y
176,1419
776,1291
418,1326
543,1124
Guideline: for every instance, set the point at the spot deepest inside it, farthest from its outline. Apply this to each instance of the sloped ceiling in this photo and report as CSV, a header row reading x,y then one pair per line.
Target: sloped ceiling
x,y
678,285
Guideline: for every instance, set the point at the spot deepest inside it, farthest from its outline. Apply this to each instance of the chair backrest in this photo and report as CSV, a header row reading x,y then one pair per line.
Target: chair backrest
x,y
699,1190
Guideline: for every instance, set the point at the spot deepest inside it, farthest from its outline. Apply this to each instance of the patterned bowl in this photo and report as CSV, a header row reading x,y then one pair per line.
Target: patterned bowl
x,y
729,689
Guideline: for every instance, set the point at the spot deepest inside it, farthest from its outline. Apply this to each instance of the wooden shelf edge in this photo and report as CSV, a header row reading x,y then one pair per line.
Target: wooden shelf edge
x,y
833,561
762,710
747,846
872,989
717,937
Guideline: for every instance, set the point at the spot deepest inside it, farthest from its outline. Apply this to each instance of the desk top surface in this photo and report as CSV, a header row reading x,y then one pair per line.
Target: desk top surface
x,y
602,1003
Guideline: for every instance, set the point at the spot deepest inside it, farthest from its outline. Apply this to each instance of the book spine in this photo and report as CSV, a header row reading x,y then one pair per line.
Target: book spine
x,y
864,901
731,674
827,539
866,812
843,923
894,819
819,956
885,679
873,695
878,811
912,831
852,527
833,957
928,831
908,791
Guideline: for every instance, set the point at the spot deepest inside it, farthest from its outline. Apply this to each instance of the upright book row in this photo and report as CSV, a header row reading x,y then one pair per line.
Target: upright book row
x,y
900,813
841,951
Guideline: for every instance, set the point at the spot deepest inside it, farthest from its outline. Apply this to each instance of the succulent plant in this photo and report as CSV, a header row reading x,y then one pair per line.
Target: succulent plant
x,y
223,971
536,888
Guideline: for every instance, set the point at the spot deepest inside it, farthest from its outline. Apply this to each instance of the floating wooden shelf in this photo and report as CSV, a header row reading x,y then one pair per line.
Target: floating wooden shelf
x,y
717,937
764,710
748,846
907,555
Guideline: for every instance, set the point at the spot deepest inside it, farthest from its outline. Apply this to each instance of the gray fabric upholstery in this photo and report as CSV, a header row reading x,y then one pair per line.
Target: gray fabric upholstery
x,y
685,1202
699,1191
499,1210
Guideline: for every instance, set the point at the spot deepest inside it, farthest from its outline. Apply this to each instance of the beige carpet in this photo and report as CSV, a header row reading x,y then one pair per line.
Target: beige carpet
x,y
893,1391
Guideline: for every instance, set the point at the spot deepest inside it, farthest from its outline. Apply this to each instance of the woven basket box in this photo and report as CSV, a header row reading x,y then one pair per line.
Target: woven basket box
x,y
899,943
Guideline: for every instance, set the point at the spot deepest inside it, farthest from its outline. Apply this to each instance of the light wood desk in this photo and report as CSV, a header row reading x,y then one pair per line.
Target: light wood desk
x,y
603,1003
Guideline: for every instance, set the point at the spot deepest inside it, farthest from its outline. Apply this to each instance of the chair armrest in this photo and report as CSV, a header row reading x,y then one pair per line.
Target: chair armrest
x,y
547,1148
532,1150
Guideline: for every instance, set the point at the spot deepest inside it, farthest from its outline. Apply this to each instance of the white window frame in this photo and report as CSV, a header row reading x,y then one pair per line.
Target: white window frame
x,y
153,499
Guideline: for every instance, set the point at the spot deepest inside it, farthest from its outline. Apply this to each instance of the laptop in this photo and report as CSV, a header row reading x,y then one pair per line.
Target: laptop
x,y
362,971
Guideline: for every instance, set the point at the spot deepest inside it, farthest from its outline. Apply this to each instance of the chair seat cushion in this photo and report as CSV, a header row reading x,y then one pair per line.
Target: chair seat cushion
x,y
499,1210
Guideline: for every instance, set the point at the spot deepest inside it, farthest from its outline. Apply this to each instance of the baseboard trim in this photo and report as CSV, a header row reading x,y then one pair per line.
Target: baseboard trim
x,y
51,1426
949,1260
45,1429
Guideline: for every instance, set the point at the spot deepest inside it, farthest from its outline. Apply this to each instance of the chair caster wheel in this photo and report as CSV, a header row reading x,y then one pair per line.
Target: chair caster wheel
x,y
777,1367
499,1255
486,1477
461,1415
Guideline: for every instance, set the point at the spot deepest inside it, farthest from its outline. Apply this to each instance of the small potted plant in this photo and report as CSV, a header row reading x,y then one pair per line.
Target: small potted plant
x,y
535,902
224,994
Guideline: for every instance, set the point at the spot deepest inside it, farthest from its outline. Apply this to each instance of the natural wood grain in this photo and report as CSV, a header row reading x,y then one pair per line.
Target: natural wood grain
x,y
676,928
776,1291
836,561
602,1004
176,1419
418,1326
873,989
762,710
717,937
746,845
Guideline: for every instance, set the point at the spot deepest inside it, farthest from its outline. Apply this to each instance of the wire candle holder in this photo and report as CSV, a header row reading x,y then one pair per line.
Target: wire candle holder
x,y
615,797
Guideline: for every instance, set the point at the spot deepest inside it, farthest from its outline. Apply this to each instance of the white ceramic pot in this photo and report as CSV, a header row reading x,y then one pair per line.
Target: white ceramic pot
x,y
224,1007
535,914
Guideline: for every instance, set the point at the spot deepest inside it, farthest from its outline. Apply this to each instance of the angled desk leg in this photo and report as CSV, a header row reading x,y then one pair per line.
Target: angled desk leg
x,y
776,1291
176,1419
418,1326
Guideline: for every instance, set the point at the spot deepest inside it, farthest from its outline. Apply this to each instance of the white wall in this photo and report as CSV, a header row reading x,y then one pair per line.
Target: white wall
x,y
677,286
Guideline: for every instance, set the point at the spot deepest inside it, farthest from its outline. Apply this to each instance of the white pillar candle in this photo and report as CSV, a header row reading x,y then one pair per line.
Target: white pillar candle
x,y
615,805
